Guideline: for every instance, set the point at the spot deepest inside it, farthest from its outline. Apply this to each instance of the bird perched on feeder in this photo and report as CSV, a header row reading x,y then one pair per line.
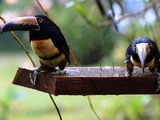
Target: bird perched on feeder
x,y
46,39
142,52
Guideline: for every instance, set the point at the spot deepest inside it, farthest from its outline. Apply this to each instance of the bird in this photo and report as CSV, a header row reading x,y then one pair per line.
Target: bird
x,y
142,52
46,40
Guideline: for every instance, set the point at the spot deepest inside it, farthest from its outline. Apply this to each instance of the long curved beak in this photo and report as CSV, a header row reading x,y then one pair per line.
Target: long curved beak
x,y
142,50
28,23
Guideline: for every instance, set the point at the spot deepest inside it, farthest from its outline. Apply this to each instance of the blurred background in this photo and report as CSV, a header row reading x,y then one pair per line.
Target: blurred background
x,y
98,31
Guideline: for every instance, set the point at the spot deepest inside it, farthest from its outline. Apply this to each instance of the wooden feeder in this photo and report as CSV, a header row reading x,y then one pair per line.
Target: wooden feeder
x,y
90,81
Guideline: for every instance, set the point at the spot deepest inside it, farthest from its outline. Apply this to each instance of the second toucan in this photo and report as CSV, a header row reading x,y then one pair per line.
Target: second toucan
x,y
142,52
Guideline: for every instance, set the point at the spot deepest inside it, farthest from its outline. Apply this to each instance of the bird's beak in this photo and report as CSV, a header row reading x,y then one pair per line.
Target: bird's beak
x,y
21,23
142,50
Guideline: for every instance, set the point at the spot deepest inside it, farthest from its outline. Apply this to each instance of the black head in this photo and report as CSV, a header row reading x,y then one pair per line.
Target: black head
x,y
149,45
142,50
28,23
44,22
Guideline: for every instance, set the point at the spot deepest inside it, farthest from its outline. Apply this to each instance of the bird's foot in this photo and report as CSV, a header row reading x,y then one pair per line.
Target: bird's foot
x,y
51,71
58,72
36,74
128,74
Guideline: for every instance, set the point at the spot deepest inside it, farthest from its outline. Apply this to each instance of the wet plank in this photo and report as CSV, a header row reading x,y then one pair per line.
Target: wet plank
x,y
89,81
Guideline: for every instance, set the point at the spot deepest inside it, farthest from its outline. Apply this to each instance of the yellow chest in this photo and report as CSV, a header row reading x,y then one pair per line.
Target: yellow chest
x,y
44,48
149,64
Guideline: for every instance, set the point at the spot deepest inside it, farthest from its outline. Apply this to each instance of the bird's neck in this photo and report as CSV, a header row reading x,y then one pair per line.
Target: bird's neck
x,y
38,35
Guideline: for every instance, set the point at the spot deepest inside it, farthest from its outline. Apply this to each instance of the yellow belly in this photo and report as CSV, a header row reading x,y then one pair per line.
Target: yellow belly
x,y
46,49
149,64
55,62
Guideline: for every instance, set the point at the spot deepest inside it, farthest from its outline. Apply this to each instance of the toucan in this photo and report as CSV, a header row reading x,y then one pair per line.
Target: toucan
x,y
142,52
46,39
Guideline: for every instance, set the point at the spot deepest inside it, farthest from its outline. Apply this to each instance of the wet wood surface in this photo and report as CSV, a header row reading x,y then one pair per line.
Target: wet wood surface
x,y
89,81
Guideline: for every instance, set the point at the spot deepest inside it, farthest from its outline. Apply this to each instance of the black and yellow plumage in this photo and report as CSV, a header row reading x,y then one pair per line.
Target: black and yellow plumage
x,y
46,38
142,52
49,44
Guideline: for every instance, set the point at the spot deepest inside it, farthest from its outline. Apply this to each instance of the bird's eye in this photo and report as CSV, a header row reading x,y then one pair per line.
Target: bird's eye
x,y
40,20
134,46
150,44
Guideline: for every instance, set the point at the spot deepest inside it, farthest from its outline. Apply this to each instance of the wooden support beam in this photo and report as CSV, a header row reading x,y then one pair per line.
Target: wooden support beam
x,y
90,81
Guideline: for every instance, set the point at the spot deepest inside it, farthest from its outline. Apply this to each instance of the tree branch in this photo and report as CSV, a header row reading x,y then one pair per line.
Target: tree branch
x,y
142,11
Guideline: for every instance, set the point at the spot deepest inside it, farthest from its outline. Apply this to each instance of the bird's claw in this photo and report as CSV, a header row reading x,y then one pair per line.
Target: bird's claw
x,y
42,70
36,74
58,72
128,74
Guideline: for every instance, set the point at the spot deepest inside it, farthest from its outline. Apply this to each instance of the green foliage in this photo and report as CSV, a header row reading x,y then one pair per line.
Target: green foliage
x,y
82,10
89,42
7,99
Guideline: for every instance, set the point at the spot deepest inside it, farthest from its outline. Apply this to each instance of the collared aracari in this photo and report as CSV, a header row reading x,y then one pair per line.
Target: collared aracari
x,y
46,38
142,52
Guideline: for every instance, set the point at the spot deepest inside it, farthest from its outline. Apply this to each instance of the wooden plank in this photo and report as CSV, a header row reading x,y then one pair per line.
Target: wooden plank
x,y
89,81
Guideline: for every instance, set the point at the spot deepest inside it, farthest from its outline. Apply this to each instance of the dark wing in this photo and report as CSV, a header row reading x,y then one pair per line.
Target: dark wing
x,y
59,40
156,52
128,54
